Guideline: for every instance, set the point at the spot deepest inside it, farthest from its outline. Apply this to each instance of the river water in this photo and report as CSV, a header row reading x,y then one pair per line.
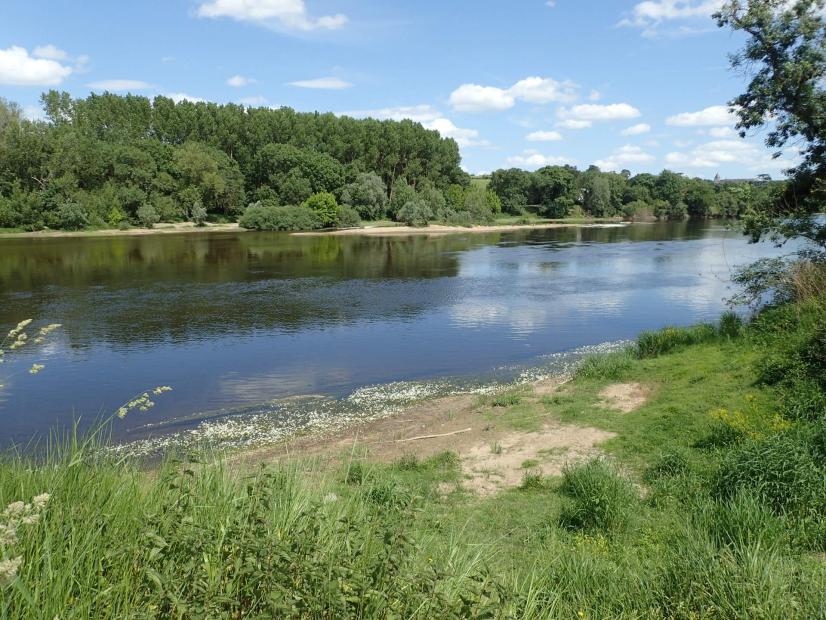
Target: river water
x,y
267,327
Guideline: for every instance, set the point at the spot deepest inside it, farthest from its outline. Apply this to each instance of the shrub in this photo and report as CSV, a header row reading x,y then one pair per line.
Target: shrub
x,y
652,344
780,470
198,214
731,325
367,195
116,217
348,217
415,213
324,206
608,366
507,399
9,217
71,216
147,216
457,218
258,217
602,499
638,211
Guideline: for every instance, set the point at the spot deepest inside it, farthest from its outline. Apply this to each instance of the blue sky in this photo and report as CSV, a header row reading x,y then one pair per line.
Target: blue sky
x,y
620,83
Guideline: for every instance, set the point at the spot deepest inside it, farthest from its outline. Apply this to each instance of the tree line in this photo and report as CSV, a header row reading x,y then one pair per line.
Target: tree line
x,y
116,161
565,191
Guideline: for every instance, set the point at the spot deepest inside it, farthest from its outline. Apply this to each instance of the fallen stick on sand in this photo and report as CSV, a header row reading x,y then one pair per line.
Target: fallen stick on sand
x,y
464,430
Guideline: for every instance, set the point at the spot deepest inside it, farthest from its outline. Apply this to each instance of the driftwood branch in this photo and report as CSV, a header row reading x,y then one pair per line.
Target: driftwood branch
x,y
464,430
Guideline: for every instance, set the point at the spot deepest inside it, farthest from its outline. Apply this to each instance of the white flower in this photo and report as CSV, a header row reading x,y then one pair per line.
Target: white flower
x,y
8,570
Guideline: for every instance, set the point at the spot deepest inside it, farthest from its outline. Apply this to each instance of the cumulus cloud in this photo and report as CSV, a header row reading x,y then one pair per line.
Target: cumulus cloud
x,y
238,81
722,152
722,132
532,159
475,98
284,14
179,97
119,85
713,115
597,112
19,68
636,130
540,90
544,136
324,83
429,117
572,123
543,90
623,156
255,101
650,15
50,52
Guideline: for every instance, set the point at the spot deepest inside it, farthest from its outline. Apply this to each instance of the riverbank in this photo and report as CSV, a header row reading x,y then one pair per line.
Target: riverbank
x,y
671,480
368,230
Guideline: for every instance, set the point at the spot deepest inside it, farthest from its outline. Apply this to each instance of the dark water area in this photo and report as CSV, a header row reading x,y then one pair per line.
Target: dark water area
x,y
234,320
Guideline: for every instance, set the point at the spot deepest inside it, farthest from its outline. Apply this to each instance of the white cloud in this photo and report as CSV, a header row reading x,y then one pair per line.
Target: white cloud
x,y
532,159
325,83
534,89
636,130
50,52
475,98
284,14
712,115
18,68
429,117
544,136
178,97
722,132
463,137
543,90
239,80
572,123
624,155
119,85
651,14
595,95
732,152
255,101
417,113
598,112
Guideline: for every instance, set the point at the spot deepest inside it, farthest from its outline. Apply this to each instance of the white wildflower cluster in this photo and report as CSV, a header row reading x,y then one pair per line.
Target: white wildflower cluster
x,y
142,402
15,516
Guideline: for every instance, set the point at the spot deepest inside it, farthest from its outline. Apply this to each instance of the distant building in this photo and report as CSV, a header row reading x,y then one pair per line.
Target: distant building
x,y
759,180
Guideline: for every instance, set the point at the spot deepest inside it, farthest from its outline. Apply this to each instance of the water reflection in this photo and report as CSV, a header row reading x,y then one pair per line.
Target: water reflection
x,y
231,319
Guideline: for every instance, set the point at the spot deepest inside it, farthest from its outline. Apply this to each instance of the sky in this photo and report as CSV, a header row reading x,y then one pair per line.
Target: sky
x,y
522,83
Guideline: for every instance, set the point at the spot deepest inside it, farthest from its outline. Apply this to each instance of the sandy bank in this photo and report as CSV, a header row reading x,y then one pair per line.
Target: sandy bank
x,y
159,229
438,229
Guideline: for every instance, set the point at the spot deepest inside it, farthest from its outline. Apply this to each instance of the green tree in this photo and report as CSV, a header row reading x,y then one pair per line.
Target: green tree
x,y
367,195
785,53
415,212
513,187
401,193
325,207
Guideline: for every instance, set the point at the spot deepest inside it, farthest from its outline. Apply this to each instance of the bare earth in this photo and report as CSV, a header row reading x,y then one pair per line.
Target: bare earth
x,y
624,397
493,455
439,229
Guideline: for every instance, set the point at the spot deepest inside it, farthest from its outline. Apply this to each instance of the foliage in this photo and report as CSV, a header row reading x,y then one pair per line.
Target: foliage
x,y
367,195
325,207
602,499
607,366
260,217
71,216
654,343
785,56
348,217
400,194
147,216
415,212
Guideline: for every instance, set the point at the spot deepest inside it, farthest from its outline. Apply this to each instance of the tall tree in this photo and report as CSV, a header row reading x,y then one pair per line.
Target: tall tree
x,y
785,54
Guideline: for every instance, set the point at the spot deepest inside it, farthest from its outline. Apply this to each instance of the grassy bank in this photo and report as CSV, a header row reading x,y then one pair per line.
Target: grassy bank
x,y
707,501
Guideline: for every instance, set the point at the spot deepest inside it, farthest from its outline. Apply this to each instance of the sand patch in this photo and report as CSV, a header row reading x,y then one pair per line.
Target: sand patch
x,y
492,466
624,397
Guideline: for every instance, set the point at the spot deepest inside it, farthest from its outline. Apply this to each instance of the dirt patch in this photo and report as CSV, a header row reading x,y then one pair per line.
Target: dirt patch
x,y
624,397
549,386
493,466
439,229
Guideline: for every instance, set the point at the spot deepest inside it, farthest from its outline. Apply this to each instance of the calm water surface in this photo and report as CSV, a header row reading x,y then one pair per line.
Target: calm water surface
x,y
234,320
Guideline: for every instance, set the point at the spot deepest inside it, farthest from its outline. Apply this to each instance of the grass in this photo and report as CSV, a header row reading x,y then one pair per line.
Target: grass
x,y
671,522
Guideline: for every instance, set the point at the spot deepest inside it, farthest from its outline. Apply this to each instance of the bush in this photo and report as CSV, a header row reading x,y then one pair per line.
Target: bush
x,y
731,325
638,211
258,217
652,344
324,206
9,217
147,216
608,366
71,216
348,217
415,213
603,499
198,214
367,195
781,471
506,399
457,218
